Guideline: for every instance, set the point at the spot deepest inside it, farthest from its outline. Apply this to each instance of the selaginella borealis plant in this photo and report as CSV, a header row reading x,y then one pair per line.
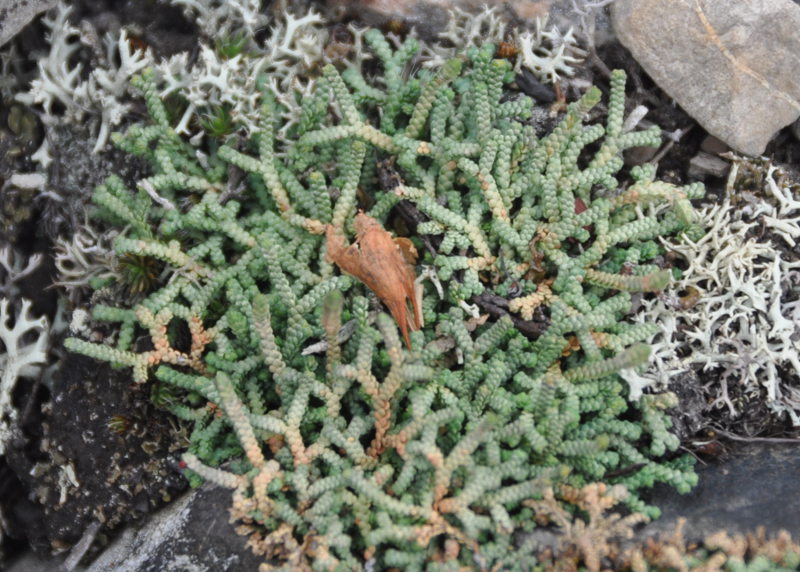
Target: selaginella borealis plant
x,y
345,449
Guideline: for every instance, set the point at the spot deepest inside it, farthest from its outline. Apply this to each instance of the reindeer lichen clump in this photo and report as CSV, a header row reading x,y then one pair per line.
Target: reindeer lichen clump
x,y
368,454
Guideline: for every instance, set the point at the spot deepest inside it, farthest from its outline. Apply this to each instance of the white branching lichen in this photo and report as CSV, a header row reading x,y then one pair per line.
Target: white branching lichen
x,y
220,18
85,257
547,52
282,63
740,319
24,353
59,77
467,29
101,95
13,268
106,87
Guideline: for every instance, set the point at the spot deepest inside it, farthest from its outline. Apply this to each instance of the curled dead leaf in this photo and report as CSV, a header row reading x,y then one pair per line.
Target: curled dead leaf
x,y
384,264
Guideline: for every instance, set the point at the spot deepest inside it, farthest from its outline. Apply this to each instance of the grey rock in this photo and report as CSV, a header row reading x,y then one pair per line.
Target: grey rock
x,y
32,562
705,165
192,534
16,14
752,485
732,66
756,486
713,145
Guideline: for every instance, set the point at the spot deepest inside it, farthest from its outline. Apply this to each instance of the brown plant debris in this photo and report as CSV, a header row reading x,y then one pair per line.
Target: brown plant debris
x,y
384,264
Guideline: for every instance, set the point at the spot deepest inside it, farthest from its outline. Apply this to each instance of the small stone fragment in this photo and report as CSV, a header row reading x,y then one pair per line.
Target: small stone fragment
x,y
705,165
732,66
638,155
713,145
16,14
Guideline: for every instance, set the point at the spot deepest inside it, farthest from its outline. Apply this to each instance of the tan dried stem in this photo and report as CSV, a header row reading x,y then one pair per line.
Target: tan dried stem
x,y
163,352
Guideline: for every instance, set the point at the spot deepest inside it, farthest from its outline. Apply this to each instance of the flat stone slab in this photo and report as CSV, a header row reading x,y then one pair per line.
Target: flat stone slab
x,y
732,66
191,534
757,485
